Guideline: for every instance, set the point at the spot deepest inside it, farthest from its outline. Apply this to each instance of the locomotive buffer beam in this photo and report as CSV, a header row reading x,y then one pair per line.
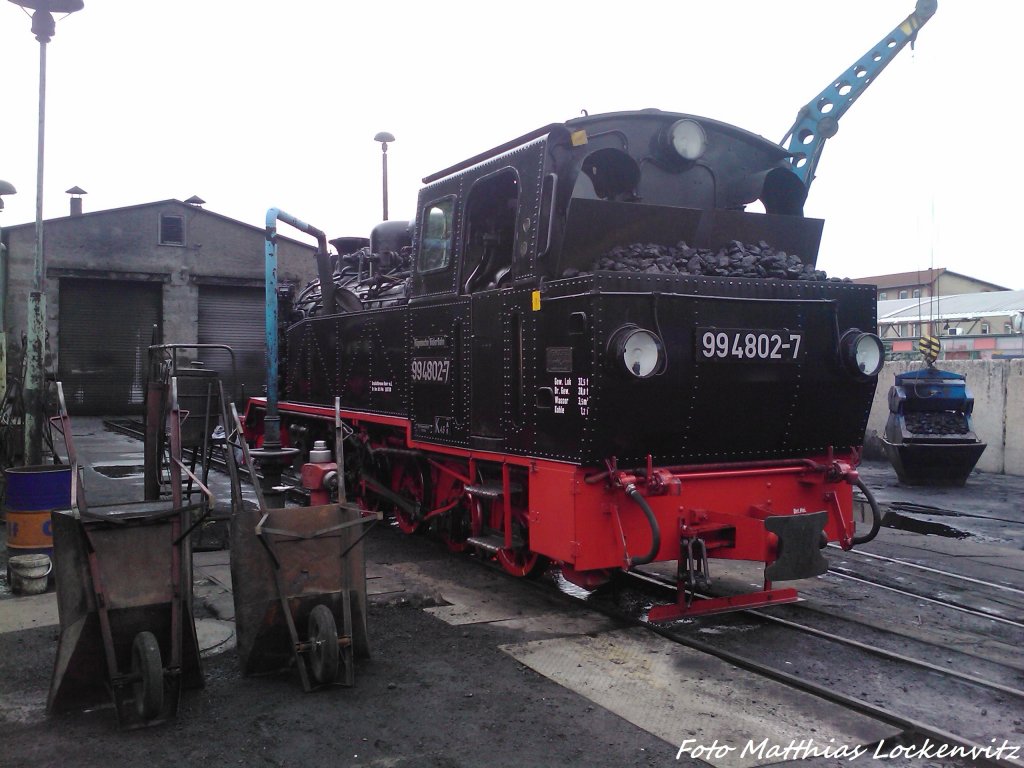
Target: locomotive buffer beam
x,y
798,556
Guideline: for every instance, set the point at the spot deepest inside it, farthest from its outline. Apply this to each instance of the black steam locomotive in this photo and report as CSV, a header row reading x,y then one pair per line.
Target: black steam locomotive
x,y
587,350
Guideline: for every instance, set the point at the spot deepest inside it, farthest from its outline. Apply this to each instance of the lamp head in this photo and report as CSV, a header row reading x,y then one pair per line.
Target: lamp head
x,y
52,6
43,25
6,188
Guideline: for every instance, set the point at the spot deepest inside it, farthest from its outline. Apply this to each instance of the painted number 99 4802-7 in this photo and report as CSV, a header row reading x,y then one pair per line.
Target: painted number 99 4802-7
x,y
748,344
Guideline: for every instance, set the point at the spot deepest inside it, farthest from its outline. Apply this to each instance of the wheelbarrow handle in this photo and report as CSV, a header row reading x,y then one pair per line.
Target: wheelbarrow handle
x,y
260,530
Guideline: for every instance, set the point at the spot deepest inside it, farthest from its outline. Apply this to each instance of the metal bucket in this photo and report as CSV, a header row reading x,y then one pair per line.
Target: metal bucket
x,y
29,574
32,493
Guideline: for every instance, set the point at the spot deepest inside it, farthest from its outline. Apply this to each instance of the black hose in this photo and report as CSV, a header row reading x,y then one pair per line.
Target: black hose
x,y
639,500
876,515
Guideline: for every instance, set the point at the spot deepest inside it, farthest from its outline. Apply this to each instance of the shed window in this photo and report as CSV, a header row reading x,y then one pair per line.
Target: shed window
x,y
882,296
172,230
903,294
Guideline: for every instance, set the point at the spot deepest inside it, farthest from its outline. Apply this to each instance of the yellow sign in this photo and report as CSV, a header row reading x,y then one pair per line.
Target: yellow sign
x,y
536,301
578,138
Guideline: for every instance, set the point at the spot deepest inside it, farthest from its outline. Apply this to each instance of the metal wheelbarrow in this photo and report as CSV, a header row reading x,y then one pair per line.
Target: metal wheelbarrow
x,y
124,596
299,583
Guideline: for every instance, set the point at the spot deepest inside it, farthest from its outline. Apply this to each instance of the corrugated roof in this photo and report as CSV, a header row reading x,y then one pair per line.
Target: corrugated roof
x,y
961,306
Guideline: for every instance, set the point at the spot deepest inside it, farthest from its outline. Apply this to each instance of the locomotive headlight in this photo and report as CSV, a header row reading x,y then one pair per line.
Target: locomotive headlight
x,y
861,353
688,139
637,351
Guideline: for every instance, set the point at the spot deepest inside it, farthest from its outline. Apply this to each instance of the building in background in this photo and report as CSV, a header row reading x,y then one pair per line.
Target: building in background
x,y
924,284
119,278
970,326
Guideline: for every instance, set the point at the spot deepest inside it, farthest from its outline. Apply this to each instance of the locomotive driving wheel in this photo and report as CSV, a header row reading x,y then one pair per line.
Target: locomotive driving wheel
x,y
407,480
518,560
456,526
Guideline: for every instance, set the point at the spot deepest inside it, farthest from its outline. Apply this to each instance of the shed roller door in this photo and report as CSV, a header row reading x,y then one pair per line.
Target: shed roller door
x,y
234,316
105,327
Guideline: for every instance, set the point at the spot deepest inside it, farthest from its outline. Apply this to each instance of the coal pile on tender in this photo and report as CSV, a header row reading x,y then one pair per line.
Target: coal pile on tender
x,y
733,260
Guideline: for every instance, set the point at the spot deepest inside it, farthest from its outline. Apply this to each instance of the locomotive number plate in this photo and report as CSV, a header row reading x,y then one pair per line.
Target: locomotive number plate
x,y
755,344
431,369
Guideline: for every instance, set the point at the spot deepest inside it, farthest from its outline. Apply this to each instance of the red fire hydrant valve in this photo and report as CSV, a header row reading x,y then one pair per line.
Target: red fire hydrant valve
x,y
320,474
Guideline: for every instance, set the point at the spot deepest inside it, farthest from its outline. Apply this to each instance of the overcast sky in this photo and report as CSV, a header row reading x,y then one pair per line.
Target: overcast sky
x,y
252,104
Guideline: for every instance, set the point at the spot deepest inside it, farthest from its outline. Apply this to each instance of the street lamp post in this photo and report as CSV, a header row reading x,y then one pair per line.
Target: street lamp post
x,y
6,188
384,137
43,27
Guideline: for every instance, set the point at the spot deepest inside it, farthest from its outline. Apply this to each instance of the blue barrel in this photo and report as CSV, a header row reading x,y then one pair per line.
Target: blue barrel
x,y
32,493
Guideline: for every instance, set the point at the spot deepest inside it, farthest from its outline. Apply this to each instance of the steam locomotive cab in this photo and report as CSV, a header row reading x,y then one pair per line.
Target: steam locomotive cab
x,y
602,359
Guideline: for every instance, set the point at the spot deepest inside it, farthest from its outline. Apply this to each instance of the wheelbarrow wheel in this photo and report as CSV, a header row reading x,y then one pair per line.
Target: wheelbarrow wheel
x,y
148,671
323,638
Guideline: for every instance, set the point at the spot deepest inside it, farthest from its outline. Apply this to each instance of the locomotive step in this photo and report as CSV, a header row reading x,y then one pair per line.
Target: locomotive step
x,y
491,490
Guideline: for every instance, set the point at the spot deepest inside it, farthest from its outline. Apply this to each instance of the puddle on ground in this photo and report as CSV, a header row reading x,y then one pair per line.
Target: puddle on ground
x,y
119,470
912,524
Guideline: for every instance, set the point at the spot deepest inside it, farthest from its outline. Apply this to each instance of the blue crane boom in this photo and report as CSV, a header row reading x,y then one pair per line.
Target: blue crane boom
x,y
818,120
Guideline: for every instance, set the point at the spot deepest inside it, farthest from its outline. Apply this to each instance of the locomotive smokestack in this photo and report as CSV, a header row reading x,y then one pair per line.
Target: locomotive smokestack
x,y
76,200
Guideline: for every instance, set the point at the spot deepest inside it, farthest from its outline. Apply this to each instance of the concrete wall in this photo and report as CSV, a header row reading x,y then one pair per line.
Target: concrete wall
x,y
998,390
124,244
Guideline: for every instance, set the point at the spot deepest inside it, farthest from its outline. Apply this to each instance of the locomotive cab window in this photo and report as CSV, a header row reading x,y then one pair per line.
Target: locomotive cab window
x,y
435,253
491,231
608,174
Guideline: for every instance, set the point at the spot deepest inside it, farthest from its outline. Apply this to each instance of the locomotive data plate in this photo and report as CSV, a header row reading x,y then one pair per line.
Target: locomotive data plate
x,y
749,344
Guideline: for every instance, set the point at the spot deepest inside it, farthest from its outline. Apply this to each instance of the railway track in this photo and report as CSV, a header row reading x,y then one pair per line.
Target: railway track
x,y
935,571
971,596
950,604
915,727
768,616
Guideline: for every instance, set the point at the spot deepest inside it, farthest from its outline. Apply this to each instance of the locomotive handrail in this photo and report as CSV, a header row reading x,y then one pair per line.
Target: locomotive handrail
x,y
672,294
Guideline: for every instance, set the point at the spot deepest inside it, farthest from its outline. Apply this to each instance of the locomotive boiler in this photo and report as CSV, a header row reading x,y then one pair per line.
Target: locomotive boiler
x,y
587,350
